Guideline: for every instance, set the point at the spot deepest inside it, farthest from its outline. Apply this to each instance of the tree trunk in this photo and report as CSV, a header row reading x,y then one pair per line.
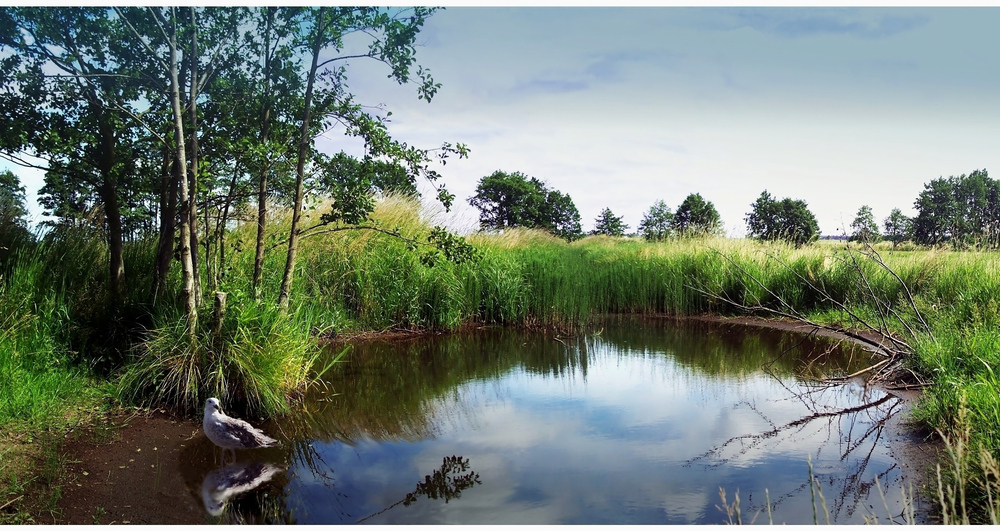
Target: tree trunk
x,y
116,262
218,318
168,215
258,260
209,266
193,176
112,212
223,222
187,270
265,132
304,144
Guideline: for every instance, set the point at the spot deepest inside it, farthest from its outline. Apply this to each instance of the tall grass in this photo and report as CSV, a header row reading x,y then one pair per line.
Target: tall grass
x,y
39,371
261,357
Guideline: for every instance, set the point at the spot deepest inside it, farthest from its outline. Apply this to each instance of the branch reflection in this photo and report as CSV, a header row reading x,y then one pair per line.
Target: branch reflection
x,y
445,483
851,417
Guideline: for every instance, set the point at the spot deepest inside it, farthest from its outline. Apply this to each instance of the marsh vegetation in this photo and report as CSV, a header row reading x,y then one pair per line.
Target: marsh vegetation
x,y
61,340
201,245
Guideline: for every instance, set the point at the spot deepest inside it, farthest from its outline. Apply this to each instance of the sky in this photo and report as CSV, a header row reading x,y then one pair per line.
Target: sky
x,y
621,107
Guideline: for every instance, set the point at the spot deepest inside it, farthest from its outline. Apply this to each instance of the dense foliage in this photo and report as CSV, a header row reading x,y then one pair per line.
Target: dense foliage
x,y
788,219
161,129
508,200
657,222
898,227
963,211
696,217
177,120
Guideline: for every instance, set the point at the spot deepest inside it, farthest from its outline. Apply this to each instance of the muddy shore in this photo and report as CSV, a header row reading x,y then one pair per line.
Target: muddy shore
x,y
135,474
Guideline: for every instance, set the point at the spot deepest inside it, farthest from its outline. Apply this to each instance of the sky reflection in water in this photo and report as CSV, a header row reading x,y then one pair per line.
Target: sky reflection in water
x,y
639,424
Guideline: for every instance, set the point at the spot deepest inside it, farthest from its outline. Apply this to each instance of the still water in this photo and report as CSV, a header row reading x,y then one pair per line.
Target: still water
x,y
640,421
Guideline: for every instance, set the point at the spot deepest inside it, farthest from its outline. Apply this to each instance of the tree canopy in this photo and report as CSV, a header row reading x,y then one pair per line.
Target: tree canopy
x,y
167,121
962,210
863,228
657,222
898,227
696,217
13,215
609,224
788,219
507,200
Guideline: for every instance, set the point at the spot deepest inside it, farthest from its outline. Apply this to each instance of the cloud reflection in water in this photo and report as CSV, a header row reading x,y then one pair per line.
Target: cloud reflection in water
x,y
642,424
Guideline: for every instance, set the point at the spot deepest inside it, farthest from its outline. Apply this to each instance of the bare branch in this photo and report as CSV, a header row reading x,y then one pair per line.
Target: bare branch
x,y
909,296
135,32
344,58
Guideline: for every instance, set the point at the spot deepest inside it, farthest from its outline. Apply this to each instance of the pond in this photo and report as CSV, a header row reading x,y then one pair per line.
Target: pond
x,y
640,421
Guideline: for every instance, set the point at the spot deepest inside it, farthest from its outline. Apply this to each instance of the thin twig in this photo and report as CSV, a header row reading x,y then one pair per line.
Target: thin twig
x,y
872,368
4,506
909,296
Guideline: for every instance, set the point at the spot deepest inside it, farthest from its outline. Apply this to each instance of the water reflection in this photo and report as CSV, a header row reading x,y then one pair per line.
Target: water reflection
x,y
446,483
222,484
246,492
641,422
851,420
397,391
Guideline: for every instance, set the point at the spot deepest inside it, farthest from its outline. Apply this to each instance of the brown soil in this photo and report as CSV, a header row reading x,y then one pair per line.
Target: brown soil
x,y
917,452
395,334
135,477
788,326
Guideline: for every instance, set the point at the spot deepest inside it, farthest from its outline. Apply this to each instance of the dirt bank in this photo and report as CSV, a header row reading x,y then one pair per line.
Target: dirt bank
x,y
789,326
132,474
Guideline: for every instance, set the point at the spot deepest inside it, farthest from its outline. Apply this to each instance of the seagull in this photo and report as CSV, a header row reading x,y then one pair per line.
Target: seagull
x,y
229,481
232,434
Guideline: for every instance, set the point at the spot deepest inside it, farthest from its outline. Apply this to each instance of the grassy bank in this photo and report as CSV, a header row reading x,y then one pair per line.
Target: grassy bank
x,y
63,345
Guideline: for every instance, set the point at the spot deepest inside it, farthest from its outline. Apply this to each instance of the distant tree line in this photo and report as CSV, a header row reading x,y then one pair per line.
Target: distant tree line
x,y
507,200
963,211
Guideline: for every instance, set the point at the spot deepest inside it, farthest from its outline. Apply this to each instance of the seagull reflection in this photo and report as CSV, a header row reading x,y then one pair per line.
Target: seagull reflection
x,y
224,483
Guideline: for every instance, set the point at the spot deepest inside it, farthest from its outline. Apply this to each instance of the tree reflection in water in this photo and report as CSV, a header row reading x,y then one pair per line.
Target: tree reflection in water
x,y
391,402
445,483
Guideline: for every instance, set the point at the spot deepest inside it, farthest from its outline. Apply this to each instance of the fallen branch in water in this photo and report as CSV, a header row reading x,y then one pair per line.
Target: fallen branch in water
x,y
878,338
862,371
